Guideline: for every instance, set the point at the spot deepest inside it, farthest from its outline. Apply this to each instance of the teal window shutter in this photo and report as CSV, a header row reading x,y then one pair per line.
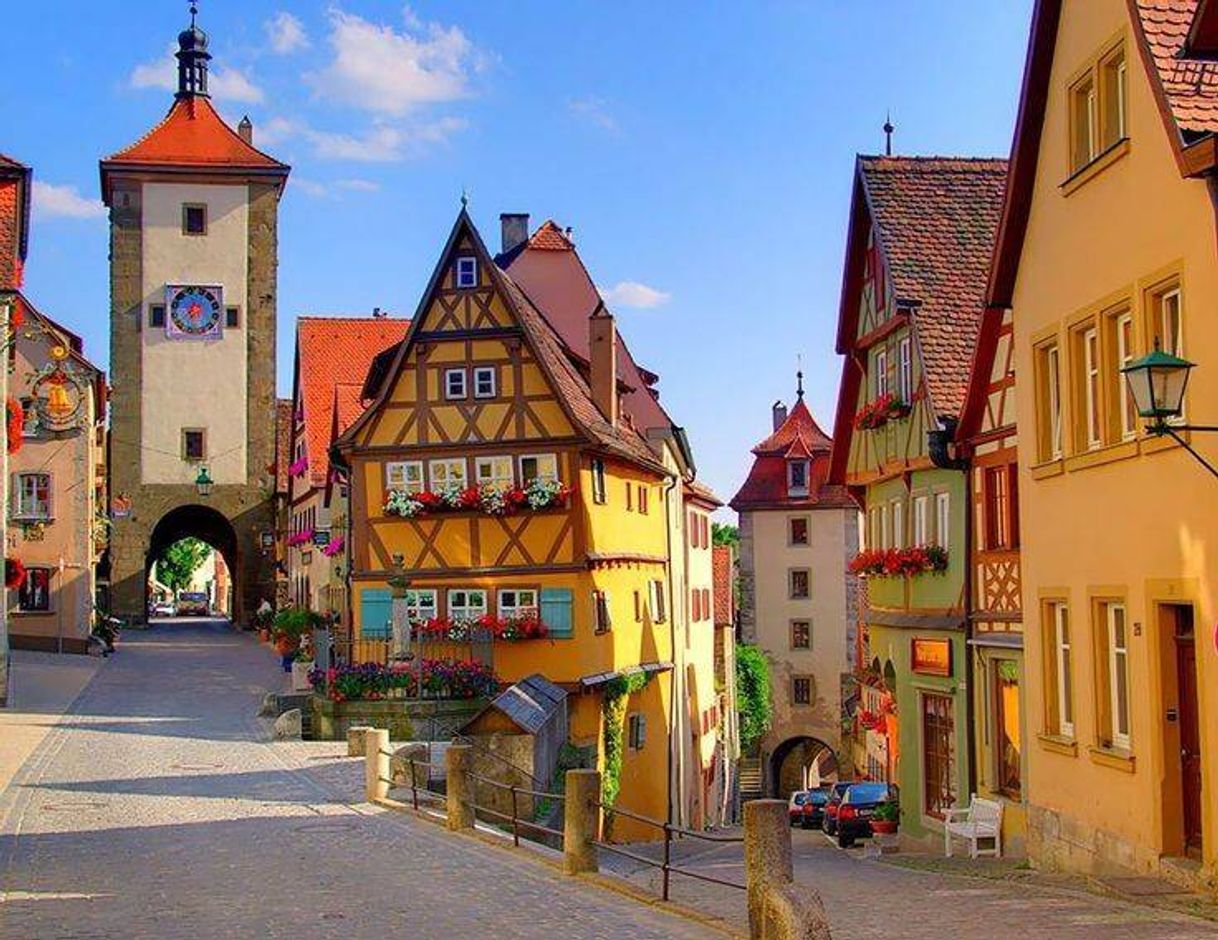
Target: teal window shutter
x,y
556,611
375,613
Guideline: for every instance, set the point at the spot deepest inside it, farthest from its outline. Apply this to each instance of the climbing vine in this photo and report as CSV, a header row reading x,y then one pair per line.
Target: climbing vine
x,y
753,699
617,692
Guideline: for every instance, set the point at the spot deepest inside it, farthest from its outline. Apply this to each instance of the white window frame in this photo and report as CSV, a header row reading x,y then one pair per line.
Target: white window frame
x,y
517,606
1091,387
1121,94
1171,330
792,488
495,471
485,372
921,521
657,601
447,465
1124,355
1063,653
881,372
1054,378
450,393
422,604
466,610
540,459
884,543
29,508
898,523
1118,673
905,369
1093,130
398,475
943,519
467,272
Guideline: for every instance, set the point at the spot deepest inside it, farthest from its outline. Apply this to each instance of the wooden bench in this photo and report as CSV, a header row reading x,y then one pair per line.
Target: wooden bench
x,y
982,819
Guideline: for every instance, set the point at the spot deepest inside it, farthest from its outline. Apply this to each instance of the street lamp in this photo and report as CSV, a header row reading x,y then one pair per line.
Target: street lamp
x,y
203,482
1157,382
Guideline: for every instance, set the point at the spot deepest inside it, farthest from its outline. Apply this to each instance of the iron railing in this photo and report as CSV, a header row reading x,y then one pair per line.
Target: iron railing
x,y
514,816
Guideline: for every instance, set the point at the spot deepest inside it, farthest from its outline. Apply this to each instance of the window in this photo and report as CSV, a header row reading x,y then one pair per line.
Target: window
x,y
35,593
1115,676
194,219
905,370
484,382
515,602
421,605
449,472
799,583
1090,400
797,477
884,543
801,690
636,732
494,471
538,467
194,444
156,315
658,605
1049,401
405,475
1084,137
943,519
467,272
466,604
1169,333
798,528
232,317
881,373
29,417
1112,78
638,607
871,536
32,496
1059,684
1122,347
629,496
996,491
938,754
921,521
898,523
695,605
454,384
601,617
801,635
644,498
598,481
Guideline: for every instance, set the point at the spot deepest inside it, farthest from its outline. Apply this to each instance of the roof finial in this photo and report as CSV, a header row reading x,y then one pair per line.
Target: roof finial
x,y
464,197
192,56
799,377
194,11
888,129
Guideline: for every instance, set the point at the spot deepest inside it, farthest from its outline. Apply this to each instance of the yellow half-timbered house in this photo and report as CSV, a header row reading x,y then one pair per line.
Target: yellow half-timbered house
x,y
497,468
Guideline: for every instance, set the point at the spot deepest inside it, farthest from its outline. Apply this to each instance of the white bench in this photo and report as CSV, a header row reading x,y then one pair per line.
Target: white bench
x,y
982,819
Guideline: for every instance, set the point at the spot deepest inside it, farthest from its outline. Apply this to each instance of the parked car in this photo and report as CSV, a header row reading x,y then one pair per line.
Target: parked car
x,y
163,609
814,808
795,806
193,604
829,814
856,808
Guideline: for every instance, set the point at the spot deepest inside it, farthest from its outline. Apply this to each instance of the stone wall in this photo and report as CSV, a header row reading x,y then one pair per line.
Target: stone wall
x,y
405,719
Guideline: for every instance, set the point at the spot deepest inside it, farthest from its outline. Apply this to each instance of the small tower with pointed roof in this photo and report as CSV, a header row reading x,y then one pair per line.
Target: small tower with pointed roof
x,y
797,603
193,238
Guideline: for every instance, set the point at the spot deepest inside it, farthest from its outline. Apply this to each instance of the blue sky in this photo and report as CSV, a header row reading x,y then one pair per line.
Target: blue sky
x,y
701,152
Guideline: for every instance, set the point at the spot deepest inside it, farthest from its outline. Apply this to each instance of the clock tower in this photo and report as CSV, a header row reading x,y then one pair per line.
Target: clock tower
x,y
193,265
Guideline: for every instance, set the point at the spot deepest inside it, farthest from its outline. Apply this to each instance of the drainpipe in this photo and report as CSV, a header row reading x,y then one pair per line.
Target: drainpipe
x,y
674,698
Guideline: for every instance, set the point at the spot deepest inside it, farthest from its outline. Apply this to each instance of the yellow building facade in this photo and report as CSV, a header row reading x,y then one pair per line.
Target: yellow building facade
x,y
483,396
1107,250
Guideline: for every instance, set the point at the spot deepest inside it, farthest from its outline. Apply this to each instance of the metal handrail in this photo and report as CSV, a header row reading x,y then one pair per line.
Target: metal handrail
x,y
483,749
514,816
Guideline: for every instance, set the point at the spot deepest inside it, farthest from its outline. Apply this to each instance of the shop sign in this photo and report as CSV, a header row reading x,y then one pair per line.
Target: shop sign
x,y
321,537
931,657
267,539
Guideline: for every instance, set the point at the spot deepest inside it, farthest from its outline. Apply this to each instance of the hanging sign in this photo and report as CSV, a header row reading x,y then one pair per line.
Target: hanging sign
x,y
931,657
321,537
120,506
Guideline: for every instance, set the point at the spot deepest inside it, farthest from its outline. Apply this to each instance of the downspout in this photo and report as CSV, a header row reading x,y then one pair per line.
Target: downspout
x,y
674,738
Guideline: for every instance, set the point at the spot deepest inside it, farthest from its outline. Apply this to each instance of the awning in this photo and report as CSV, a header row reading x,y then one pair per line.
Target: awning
x,y
1006,641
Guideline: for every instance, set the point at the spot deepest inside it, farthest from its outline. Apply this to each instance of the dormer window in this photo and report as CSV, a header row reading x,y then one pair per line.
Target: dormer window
x,y
797,478
467,272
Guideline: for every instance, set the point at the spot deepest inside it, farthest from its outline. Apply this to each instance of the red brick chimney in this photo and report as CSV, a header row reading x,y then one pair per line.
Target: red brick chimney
x,y
602,336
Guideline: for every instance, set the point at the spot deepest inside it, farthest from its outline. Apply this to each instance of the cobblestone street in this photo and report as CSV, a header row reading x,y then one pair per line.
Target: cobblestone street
x,y
158,808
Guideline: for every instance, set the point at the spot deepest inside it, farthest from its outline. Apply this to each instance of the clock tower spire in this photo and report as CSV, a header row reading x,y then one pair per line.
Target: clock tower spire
x,y
192,56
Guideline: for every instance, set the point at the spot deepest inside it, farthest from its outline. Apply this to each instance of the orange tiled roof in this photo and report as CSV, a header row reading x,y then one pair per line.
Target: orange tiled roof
x,y
333,352
348,405
193,134
549,237
799,427
936,218
1191,85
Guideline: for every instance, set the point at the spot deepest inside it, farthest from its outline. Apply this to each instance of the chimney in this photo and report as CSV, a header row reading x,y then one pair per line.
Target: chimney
x,y
245,130
602,337
514,230
377,314
779,412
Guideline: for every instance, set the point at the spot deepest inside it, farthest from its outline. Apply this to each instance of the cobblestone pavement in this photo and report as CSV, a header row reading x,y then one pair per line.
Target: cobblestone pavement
x,y
158,808
867,898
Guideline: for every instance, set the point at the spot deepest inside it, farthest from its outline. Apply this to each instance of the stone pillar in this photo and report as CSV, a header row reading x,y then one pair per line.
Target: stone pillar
x,y
767,854
458,761
581,821
376,764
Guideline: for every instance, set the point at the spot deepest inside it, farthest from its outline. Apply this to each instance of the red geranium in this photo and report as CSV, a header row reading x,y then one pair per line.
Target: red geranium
x,y
16,318
14,572
16,424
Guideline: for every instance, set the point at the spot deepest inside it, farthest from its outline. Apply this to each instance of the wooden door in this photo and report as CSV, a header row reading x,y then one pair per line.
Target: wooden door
x,y
1190,738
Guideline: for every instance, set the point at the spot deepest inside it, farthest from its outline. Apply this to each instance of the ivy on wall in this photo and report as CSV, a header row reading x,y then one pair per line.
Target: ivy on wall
x,y
753,700
615,697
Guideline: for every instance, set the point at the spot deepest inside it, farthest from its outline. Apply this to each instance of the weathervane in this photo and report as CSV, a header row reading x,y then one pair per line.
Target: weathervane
x,y
194,11
799,376
888,129
464,197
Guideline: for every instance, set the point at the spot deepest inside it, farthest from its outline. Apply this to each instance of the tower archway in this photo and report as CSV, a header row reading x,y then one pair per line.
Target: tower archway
x,y
209,526
792,757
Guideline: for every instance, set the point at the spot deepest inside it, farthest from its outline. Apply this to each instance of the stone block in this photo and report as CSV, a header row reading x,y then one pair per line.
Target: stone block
x,y
356,737
399,765
289,725
270,706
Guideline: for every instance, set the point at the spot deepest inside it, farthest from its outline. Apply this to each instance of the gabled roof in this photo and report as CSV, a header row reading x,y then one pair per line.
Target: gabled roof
x,y
334,353
191,137
529,704
56,334
799,427
569,386
1191,85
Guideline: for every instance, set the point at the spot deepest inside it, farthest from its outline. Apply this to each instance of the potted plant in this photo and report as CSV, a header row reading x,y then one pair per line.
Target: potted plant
x,y
290,625
302,664
887,817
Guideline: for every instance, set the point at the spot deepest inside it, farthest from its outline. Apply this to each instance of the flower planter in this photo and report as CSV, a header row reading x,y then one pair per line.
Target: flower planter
x,y
300,676
884,826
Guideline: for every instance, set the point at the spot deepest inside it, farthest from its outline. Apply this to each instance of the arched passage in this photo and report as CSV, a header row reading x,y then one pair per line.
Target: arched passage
x,y
207,525
789,760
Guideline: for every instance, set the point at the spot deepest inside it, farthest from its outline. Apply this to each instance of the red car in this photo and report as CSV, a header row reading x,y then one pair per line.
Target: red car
x,y
829,820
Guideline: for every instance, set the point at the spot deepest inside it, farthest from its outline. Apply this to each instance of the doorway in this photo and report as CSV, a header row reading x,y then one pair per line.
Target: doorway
x,y
1183,748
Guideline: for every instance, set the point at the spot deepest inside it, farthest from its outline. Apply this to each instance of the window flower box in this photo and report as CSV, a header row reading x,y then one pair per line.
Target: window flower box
x,y
442,679
878,413
536,495
899,562
304,537
522,626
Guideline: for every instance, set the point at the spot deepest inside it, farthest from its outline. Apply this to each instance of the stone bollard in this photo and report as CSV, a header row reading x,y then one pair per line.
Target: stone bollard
x,y
458,760
376,764
356,746
581,821
778,908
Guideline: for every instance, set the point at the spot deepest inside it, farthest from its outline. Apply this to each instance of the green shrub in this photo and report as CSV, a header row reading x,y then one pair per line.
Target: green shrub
x,y
753,700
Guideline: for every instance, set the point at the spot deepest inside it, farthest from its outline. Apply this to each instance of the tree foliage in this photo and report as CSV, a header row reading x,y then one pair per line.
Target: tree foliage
x,y
753,699
724,534
180,561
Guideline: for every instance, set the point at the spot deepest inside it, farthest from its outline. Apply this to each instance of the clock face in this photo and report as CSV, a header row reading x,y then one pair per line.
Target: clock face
x,y
194,311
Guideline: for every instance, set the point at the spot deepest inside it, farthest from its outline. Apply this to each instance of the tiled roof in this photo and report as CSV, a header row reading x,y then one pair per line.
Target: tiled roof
x,y
800,427
696,489
549,237
1191,85
936,218
721,578
283,444
348,405
11,164
193,134
332,352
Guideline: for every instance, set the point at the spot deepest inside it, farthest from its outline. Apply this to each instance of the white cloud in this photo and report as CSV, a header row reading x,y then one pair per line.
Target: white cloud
x,y
379,69
383,143
359,185
310,187
594,111
286,33
274,131
223,84
633,294
50,201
